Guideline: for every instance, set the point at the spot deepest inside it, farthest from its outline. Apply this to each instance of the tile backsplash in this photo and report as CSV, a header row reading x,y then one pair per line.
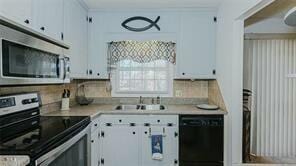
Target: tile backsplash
x,y
215,95
185,91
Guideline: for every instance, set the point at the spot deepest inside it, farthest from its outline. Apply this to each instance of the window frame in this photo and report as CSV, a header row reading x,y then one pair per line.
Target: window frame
x,y
115,76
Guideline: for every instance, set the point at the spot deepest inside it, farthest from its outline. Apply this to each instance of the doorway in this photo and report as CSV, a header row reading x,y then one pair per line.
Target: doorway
x,y
269,95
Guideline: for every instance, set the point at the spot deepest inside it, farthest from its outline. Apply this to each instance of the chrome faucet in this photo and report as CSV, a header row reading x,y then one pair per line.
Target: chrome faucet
x,y
141,100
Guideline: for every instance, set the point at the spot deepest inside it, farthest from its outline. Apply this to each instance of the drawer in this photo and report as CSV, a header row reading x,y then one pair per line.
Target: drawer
x,y
139,120
161,120
120,119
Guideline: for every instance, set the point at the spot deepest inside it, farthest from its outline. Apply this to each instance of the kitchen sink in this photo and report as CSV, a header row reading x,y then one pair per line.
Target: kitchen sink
x,y
128,107
152,107
156,107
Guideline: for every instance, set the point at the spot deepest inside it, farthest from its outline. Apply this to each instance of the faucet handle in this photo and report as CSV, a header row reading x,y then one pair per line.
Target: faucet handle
x,y
158,100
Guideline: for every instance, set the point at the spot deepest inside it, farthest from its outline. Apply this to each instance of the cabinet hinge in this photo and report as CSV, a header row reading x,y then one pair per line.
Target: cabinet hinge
x,y
102,133
176,161
102,161
90,19
176,134
215,19
108,124
170,124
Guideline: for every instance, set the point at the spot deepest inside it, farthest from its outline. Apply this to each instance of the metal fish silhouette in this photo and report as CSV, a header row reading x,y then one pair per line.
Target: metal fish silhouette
x,y
152,23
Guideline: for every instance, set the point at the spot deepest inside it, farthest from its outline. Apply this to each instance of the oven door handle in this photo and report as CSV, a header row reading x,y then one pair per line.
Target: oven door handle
x,y
55,153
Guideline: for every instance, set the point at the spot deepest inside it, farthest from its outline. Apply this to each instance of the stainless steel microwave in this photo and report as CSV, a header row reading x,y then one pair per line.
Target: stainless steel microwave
x,y
25,59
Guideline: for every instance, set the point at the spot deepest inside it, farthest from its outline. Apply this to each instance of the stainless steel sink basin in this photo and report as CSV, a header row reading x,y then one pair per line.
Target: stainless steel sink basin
x,y
128,107
154,107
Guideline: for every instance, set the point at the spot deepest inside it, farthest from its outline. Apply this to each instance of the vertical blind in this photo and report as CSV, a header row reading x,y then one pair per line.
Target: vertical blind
x,y
267,62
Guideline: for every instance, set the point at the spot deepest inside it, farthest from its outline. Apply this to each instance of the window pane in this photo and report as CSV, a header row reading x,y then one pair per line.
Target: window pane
x,y
142,77
137,75
125,75
135,64
161,85
124,85
149,85
160,75
137,85
150,64
149,75
160,63
124,63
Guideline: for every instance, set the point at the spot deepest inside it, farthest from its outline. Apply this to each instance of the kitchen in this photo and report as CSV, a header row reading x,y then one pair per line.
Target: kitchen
x,y
88,82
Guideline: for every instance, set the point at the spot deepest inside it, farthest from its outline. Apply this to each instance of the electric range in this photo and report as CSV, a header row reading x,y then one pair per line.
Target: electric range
x,y
46,140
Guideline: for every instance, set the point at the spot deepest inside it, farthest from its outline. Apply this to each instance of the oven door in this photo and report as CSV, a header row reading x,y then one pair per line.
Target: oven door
x,y
75,152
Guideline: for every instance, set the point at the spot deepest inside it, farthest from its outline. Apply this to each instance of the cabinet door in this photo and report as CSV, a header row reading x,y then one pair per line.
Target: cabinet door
x,y
17,10
49,17
170,146
196,50
98,47
95,148
75,34
120,145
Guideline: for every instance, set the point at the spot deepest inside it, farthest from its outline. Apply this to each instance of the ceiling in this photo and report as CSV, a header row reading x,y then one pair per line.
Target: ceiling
x,y
105,4
276,10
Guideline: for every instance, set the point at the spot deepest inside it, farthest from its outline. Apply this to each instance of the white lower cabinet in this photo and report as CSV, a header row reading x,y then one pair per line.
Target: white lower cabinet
x,y
120,145
95,148
126,140
170,146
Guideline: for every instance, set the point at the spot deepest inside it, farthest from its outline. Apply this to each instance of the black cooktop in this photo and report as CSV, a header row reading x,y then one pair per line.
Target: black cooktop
x,y
40,134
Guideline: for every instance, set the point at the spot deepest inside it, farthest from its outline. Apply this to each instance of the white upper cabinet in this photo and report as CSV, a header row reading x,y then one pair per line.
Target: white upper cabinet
x,y
97,47
19,11
75,34
196,46
48,16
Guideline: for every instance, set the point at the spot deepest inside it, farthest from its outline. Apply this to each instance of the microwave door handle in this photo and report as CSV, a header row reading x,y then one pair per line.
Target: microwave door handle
x,y
65,68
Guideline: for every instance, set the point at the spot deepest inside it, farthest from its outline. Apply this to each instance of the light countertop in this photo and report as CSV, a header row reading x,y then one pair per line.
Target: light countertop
x,y
14,160
94,110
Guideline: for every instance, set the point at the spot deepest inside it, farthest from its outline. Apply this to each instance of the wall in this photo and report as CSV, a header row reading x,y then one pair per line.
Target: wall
x,y
229,71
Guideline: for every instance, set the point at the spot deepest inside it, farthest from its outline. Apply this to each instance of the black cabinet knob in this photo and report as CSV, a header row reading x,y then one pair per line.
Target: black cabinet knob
x,y
183,74
42,28
90,72
27,21
98,74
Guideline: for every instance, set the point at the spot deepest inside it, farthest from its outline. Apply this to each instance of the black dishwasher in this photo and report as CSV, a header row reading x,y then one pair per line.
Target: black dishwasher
x,y
201,140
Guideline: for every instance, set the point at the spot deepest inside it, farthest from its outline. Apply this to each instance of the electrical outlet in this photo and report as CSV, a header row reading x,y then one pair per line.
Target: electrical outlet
x,y
178,93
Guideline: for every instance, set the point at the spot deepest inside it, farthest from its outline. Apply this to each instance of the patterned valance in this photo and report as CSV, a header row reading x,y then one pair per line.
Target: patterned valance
x,y
142,52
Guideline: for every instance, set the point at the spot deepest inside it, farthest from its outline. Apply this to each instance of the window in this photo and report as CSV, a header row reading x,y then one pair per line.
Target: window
x,y
132,79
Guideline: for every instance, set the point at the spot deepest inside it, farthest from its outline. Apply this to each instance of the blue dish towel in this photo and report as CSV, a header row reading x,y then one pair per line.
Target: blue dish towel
x,y
157,148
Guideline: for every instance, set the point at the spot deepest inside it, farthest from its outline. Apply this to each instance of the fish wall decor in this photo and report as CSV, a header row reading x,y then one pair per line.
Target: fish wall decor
x,y
152,23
